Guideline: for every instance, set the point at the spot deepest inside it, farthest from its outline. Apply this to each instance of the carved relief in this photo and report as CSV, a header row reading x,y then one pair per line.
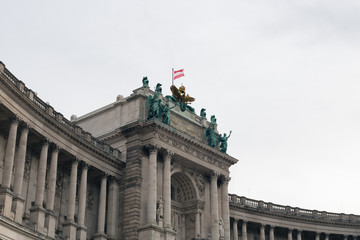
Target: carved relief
x,y
192,151
90,200
59,184
27,167
198,178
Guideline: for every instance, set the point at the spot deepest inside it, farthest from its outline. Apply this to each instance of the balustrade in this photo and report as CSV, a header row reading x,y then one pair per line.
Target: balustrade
x,y
287,210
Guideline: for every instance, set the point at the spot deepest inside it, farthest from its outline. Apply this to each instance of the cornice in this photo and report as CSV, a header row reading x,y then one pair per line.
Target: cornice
x,y
170,136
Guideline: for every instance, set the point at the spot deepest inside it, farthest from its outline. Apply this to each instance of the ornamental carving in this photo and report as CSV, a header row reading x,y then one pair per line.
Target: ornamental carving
x,y
27,167
198,178
90,200
189,150
59,184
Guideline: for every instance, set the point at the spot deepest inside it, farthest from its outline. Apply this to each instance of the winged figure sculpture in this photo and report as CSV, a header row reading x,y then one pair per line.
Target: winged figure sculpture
x,y
181,97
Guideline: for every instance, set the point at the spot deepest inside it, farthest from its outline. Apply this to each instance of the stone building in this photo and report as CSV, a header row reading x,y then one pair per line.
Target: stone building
x,y
115,174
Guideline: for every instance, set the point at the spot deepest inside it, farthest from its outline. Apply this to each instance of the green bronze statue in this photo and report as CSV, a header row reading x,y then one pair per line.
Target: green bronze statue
x,y
166,112
158,88
210,136
212,120
223,142
154,105
145,82
203,113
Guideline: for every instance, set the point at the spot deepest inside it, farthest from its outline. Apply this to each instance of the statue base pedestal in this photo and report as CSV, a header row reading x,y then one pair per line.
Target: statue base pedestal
x,y
151,232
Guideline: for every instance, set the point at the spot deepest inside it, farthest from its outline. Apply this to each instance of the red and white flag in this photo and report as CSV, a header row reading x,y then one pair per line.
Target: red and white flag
x,y
178,73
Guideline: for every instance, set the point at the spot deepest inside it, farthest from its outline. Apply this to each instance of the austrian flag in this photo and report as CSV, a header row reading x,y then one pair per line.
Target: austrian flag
x,y
178,73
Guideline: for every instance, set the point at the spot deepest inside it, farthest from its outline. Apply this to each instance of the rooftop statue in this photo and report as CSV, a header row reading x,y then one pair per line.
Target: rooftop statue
x,y
223,142
154,105
212,120
166,112
203,113
145,82
210,136
158,88
210,132
178,95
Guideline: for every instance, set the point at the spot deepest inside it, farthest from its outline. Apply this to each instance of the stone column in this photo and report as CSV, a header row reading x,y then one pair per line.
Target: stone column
x,y
326,236
225,207
317,237
345,237
299,235
271,233
18,200
235,229
112,210
82,230
37,212
167,190
100,235
197,224
290,234
50,196
244,231
262,232
6,195
151,206
69,229
214,206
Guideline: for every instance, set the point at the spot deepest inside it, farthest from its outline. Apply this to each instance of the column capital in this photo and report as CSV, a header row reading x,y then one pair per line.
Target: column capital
x,y
25,126
168,153
152,148
214,175
235,219
75,160
245,221
85,164
225,179
56,147
45,141
290,230
15,119
104,175
114,179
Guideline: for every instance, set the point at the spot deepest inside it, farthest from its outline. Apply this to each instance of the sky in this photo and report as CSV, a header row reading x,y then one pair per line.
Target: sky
x,y
283,75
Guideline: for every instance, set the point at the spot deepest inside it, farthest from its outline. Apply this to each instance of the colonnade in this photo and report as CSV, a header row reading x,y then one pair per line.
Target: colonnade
x,y
271,232
42,214
214,204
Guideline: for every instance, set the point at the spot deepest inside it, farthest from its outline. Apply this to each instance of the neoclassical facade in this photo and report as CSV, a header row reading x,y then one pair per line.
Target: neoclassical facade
x,y
115,174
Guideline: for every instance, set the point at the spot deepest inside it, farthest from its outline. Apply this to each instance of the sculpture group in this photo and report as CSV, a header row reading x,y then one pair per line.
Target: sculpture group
x,y
156,110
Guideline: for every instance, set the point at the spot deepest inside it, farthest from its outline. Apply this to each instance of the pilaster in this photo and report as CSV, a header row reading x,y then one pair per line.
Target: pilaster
x,y
214,206
225,207
69,227
102,209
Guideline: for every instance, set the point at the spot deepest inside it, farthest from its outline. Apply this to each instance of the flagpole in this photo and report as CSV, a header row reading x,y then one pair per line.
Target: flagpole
x,y
172,71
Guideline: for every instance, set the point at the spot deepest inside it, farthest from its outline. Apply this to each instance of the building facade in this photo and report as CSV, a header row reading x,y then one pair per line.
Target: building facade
x,y
120,173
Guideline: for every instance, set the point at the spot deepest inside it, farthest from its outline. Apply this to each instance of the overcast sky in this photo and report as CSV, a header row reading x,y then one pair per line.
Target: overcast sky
x,y
283,75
